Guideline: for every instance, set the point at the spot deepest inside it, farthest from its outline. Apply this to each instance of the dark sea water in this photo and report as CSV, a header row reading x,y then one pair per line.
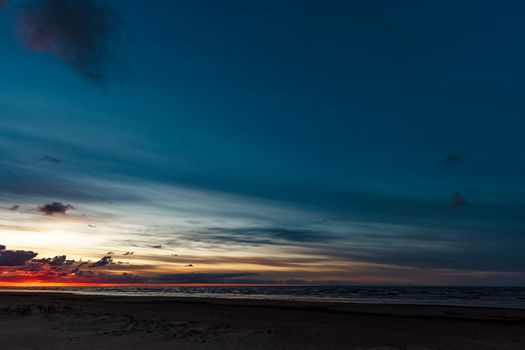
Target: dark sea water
x,y
462,296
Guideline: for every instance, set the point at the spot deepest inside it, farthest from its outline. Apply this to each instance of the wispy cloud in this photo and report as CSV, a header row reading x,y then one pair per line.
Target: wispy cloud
x,y
208,278
263,235
50,159
451,161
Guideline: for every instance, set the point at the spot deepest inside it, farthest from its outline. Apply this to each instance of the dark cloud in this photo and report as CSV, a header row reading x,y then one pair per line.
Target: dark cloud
x,y
157,246
471,252
189,265
451,161
205,278
55,208
56,261
14,207
15,257
59,269
18,266
107,260
271,261
79,32
457,201
49,159
268,235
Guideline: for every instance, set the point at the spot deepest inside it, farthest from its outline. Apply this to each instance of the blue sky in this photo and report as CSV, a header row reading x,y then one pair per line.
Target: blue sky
x,y
254,130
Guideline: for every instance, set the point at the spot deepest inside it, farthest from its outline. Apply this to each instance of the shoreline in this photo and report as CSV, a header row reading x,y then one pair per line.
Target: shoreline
x,y
481,313
260,300
79,321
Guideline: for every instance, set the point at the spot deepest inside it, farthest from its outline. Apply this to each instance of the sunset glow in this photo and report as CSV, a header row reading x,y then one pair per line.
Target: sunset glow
x,y
266,144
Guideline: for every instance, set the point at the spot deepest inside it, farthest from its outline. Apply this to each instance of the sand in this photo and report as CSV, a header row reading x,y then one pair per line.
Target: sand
x,y
67,321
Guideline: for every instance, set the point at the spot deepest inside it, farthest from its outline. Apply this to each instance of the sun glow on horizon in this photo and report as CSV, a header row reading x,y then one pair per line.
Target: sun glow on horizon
x,y
26,284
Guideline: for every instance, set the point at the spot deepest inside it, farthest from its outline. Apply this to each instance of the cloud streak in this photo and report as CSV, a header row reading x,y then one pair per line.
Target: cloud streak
x,y
50,159
267,235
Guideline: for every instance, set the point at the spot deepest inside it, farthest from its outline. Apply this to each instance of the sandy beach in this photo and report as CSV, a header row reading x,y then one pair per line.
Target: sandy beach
x,y
67,321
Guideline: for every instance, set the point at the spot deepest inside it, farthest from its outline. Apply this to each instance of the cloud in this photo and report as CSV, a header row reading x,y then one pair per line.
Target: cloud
x,y
268,235
157,246
35,185
267,262
451,161
14,207
15,257
19,266
206,278
56,261
79,32
55,208
106,260
49,159
59,269
457,201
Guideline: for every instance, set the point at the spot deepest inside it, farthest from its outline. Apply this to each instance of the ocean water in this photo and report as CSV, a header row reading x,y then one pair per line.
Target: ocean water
x,y
504,297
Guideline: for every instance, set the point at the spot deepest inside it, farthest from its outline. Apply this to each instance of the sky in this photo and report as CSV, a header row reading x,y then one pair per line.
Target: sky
x,y
262,142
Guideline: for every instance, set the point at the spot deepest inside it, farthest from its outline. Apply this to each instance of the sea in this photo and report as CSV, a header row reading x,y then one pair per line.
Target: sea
x,y
498,297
